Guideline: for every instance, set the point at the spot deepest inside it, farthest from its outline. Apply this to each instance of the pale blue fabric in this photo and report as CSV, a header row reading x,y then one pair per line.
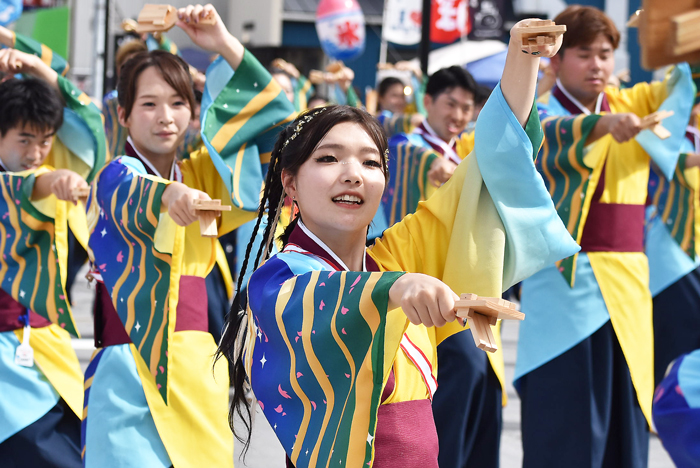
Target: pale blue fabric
x,y
681,93
116,401
564,315
667,261
535,235
26,393
689,378
557,317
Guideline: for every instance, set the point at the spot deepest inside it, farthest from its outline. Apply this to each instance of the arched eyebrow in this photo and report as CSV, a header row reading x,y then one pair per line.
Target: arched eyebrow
x,y
338,146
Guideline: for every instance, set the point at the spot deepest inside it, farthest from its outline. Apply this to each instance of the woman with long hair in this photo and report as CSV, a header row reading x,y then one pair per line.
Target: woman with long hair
x,y
338,341
151,397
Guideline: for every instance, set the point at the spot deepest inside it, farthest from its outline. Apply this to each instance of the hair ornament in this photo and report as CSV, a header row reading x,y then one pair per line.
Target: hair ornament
x,y
302,121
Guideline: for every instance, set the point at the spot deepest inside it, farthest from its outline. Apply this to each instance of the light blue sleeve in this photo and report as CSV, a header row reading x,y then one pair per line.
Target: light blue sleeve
x,y
681,93
535,235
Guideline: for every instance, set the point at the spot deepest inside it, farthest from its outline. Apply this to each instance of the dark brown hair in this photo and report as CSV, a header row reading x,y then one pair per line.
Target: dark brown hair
x,y
172,68
584,24
294,146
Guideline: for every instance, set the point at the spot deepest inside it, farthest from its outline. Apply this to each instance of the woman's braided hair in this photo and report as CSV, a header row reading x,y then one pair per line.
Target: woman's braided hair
x,y
293,147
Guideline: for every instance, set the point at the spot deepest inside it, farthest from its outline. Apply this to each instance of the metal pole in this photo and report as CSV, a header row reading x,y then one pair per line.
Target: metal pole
x,y
105,71
424,48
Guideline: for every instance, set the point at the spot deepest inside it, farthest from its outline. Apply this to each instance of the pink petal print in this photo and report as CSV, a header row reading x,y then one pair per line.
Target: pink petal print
x,y
8,236
284,414
62,297
103,267
63,325
331,273
659,394
158,385
261,405
60,310
323,304
131,201
299,374
357,280
299,333
344,310
133,269
5,215
313,332
16,202
296,339
120,257
343,332
678,390
324,402
313,403
279,409
162,369
283,393
140,210
347,375
147,185
322,284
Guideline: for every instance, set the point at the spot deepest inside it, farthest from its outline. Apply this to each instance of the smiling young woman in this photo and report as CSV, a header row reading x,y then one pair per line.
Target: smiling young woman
x,y
338,341
153,397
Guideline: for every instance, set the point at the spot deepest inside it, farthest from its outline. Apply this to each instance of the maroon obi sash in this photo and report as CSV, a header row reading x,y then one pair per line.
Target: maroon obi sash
x,y
11,311
406,436
612,227
191,312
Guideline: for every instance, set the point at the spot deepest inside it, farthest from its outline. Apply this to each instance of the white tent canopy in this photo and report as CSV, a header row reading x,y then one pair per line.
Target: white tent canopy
x,y
461,53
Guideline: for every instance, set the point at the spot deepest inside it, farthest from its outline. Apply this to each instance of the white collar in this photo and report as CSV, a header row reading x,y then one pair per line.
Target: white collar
x,y
447,150
432,133
328,250
696,137
577,103
173,170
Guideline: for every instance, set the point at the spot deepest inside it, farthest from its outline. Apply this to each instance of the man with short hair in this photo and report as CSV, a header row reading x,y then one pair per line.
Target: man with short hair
x,y
468,401
41,389
584,369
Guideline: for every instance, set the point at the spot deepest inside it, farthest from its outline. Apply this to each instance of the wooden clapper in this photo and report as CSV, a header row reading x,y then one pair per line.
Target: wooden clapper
x,y
208,211
483,312
669,32
160,18
653,122
81,194
538,33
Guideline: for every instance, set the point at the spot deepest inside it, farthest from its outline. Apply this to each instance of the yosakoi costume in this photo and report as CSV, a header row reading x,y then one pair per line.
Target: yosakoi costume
x,y
676,410
343,380
41,396
671,245
303,90
585,353
151,397
473,374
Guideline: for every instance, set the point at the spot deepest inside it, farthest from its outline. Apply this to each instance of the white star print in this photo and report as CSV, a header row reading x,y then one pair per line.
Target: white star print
x,y
259,334
307,452
263,360
369,438
103,232
138,325
21,294
275,426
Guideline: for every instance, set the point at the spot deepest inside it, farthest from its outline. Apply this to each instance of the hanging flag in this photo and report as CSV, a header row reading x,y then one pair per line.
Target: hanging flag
x,y
402,21
340,26
449,20
10,10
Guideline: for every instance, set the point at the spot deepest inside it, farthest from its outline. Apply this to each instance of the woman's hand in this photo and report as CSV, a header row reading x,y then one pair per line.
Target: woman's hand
x,y
177,199
543,50
212,36
13,61
424,299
